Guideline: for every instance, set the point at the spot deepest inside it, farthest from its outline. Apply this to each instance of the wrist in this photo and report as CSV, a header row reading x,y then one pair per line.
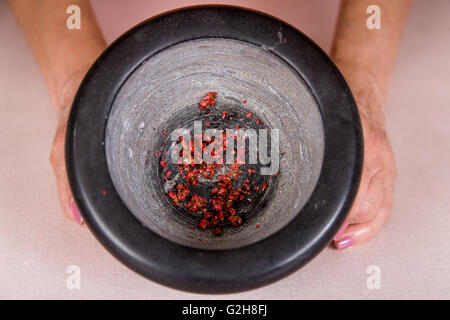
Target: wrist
x,y
368,88
65,88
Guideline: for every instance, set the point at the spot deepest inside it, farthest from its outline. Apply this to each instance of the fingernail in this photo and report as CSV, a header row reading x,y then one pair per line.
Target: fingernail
x,y
341,230
76,213
345,243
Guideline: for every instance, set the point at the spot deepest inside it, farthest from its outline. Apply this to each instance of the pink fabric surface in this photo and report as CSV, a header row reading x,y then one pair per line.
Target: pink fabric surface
x,y
37,243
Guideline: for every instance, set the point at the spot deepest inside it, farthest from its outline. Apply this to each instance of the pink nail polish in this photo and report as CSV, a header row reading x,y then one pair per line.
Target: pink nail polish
x,y
76,213
341,230
345,243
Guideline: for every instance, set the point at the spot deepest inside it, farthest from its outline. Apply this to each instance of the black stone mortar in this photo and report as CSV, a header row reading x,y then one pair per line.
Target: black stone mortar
x,y
150,81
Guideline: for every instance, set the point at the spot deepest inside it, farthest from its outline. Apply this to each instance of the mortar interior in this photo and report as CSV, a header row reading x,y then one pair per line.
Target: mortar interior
x,y
170,84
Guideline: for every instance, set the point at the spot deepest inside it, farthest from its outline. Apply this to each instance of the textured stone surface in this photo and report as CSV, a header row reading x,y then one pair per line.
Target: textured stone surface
x,y
179,77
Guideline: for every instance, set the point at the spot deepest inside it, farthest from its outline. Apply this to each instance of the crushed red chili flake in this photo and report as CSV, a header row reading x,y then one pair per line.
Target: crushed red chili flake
x,y
208,101
264,186
104,192
224,198
224,114
203,224
245,101
235,220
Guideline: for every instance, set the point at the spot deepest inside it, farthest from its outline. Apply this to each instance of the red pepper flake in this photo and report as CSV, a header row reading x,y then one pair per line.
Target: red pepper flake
x,y
174,198
264,186
104,192
245,101
221,191
224,114
203,224
257,226
195,203
182,194
223,199
208,101
164,133
235,220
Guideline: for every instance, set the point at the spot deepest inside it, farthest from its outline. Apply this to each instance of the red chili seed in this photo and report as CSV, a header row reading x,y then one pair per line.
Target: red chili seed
x,y
207,215
221,191
203,224
235,220
264,186
167,175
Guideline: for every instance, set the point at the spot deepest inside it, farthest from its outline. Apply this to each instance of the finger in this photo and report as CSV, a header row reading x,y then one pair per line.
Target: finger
x,y
362,190
57,161
361,233
367,207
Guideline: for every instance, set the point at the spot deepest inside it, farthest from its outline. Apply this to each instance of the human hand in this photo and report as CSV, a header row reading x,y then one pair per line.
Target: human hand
x,y
64,56
373,203
63,102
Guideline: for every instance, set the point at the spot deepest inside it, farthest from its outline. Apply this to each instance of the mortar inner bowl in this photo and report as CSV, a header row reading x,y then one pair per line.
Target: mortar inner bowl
x,y
163,93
